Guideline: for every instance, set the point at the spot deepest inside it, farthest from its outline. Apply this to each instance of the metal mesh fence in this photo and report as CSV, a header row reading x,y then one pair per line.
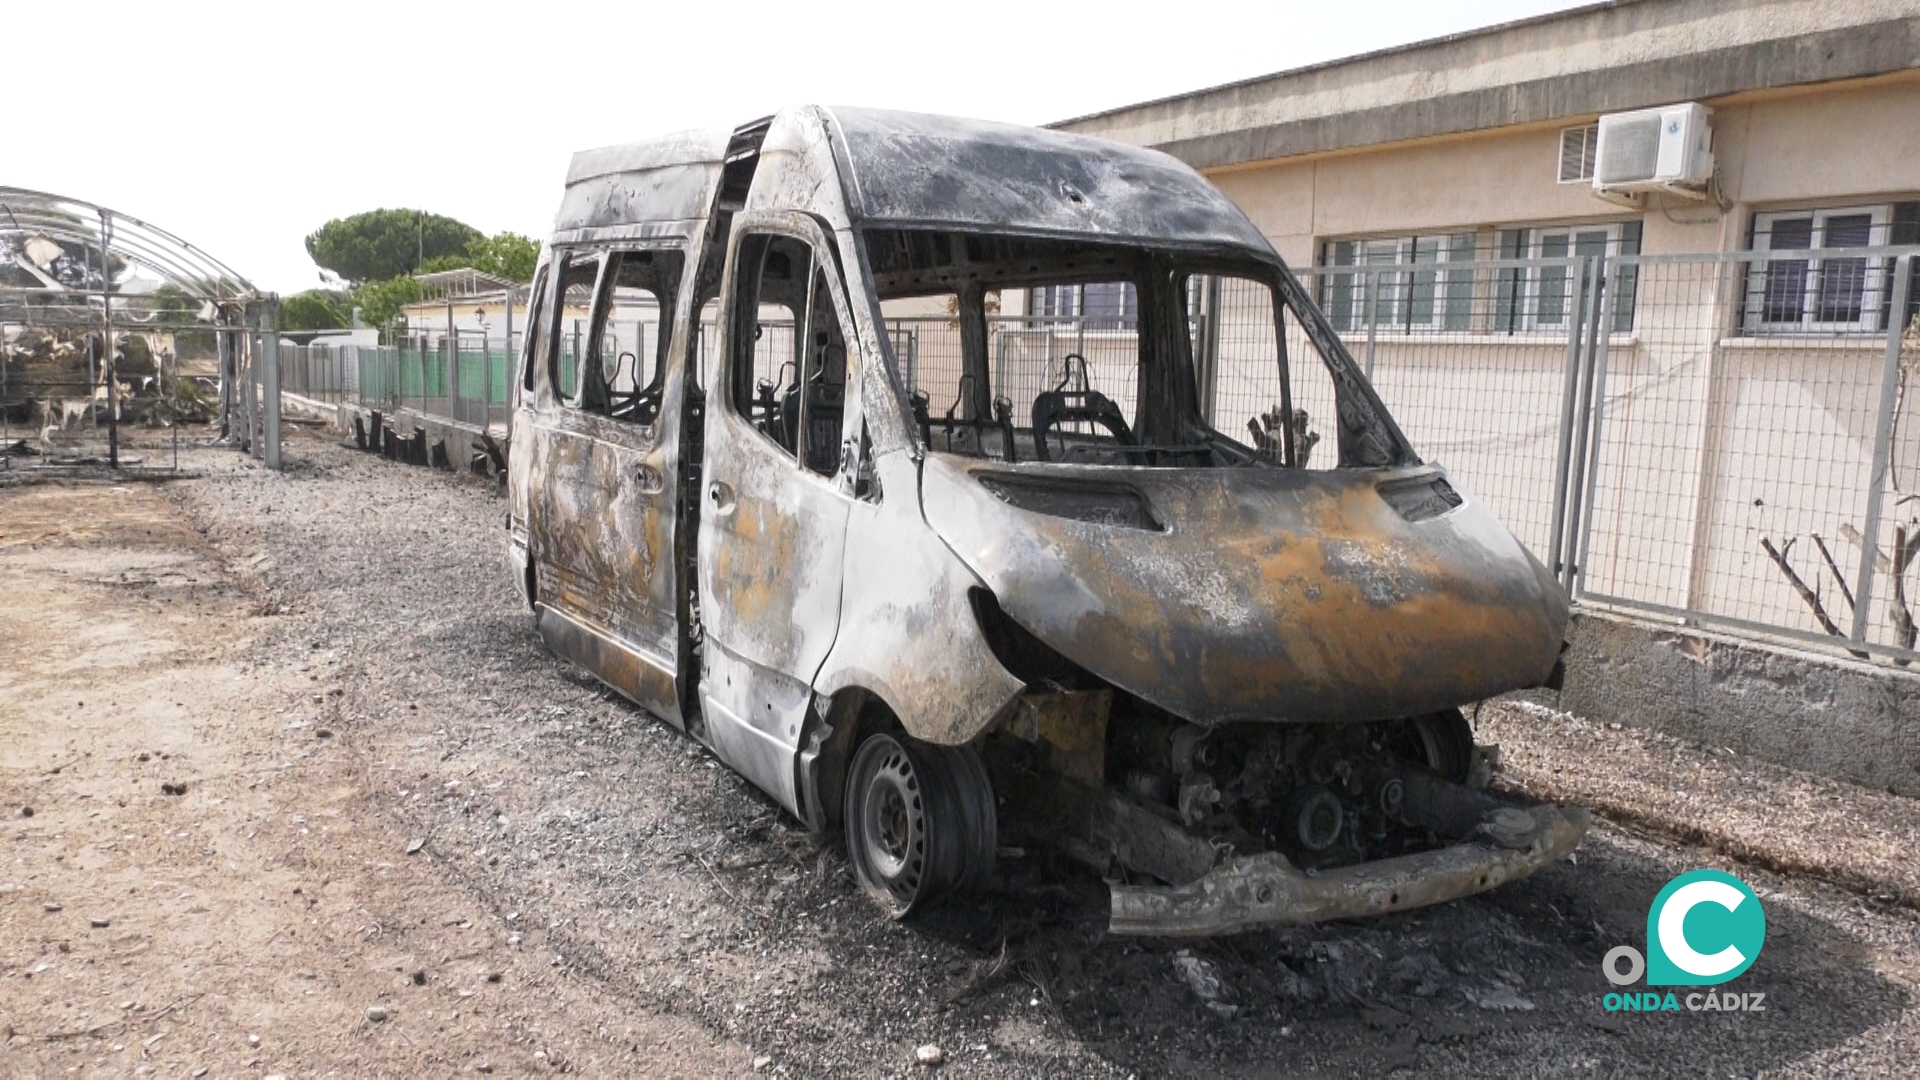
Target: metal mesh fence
x,y
1716,439
1474,363
82,384
1752,465
472,383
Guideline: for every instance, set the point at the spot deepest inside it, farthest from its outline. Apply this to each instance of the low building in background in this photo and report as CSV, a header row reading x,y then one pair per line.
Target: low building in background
x,y
1738,181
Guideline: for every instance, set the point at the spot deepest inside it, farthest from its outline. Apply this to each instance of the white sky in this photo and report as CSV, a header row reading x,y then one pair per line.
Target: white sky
x,y
243,127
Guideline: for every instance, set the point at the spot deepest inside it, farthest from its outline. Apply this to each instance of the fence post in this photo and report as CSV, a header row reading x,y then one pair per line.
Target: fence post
x,y
512,372
1210,349
1563,446
270,383
1882,446
223,348
453,364
1373,303
256,344
1586,459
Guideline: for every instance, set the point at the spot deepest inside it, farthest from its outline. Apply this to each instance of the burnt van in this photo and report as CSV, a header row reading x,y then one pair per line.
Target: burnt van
x,y
1135,563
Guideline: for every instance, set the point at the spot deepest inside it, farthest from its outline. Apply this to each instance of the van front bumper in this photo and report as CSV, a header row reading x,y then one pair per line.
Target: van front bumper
x,y
1267,890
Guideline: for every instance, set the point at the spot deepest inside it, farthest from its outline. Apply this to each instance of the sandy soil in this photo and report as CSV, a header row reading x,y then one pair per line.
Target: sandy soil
x,y
334,664
199,875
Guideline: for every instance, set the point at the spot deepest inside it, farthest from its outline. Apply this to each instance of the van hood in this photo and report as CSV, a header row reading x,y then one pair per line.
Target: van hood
x,y
1258,593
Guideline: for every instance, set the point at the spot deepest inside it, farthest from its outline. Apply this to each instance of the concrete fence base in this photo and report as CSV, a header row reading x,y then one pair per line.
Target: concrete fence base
x,y
1842,719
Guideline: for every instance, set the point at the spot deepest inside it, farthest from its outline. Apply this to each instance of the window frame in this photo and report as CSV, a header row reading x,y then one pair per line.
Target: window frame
x,y
1872,298
1535,289
824,262
1397,292
1074,296
564,262
603,304
535,336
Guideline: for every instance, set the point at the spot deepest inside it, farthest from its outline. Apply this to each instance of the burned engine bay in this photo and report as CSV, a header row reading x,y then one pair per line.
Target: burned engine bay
x,y
1213,830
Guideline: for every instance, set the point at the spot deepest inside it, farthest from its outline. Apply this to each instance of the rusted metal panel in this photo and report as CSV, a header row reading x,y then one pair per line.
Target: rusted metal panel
x,y
797,169
602,519
1264,594
669,179
1072,725
633,673
773,544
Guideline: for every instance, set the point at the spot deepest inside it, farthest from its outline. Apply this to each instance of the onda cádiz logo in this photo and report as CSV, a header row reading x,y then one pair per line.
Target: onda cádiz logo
x,y
1704,929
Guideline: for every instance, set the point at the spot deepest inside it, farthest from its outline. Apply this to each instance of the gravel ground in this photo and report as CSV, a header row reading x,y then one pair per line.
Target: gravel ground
x,y
1751,810
653,879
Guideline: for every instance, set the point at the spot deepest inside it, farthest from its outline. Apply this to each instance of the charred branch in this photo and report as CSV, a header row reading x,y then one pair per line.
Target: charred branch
x,y
1812,599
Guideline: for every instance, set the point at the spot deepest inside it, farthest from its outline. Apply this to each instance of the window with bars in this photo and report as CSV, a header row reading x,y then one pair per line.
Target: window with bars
x,y
1833,281
1432,291
1540,298
1429,284
1578,147
1095,301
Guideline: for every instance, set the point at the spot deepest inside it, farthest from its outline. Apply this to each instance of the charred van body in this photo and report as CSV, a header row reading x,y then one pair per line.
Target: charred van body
x,y
1024,591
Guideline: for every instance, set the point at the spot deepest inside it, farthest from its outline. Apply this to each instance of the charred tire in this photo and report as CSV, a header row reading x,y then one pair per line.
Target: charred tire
x,y
919,821
1442,742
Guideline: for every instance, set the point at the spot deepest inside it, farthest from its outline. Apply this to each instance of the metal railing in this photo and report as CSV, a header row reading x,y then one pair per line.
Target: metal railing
x,y
471,382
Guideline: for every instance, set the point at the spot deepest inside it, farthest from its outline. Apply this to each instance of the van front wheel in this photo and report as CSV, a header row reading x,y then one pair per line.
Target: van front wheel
x,y
920,821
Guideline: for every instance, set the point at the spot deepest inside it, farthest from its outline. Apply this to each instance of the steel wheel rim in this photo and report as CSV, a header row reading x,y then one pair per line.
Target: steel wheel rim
x,y
892,837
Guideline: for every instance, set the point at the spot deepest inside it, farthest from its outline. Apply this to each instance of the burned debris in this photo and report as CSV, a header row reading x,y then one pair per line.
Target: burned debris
x,y
107,321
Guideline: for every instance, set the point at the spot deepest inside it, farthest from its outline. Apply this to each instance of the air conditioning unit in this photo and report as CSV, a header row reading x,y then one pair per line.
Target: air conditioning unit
x,y
1668,149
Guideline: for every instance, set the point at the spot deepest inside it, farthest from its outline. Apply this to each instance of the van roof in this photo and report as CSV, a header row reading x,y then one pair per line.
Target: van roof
x,y
912,170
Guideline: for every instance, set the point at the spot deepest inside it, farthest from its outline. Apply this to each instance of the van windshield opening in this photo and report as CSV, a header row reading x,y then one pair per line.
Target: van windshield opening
x,y
1024,351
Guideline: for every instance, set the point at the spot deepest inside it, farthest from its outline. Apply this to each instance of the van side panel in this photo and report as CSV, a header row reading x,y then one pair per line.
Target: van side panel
x,y
908,632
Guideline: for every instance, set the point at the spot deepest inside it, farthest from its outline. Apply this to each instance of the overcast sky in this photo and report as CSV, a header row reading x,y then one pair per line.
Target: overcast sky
x,y
243,127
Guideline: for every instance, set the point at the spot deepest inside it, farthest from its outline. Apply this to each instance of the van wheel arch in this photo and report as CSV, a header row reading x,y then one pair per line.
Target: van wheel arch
x,y
835,726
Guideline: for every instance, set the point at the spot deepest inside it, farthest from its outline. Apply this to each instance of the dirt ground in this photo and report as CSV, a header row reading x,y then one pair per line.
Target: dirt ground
x,y
290,787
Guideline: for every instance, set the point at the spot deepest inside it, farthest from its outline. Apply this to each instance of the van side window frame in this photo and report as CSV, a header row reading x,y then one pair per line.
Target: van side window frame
x,y
822,268
535,336
591,372
565,265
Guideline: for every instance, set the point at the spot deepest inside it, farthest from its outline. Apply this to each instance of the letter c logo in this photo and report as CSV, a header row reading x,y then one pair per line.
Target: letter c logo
x,y
1704,928
1673,934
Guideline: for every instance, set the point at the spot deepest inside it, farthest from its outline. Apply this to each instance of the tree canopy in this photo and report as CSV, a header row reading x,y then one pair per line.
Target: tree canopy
x,y
504,255
382,244
380,301
171,304
316,309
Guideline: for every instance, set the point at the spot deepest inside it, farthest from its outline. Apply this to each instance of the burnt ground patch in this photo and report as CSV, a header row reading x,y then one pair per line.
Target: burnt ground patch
x,y
618,852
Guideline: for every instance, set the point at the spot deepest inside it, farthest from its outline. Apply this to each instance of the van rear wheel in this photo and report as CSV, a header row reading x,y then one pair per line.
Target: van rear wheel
x,y
920,821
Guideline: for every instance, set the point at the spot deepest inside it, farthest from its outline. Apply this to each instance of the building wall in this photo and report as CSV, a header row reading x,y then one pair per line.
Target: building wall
x,y
1604,58
1855,141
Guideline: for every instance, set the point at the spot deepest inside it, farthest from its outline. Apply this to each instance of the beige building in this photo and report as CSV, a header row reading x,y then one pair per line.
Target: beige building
x,y
1742,392
1815,109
